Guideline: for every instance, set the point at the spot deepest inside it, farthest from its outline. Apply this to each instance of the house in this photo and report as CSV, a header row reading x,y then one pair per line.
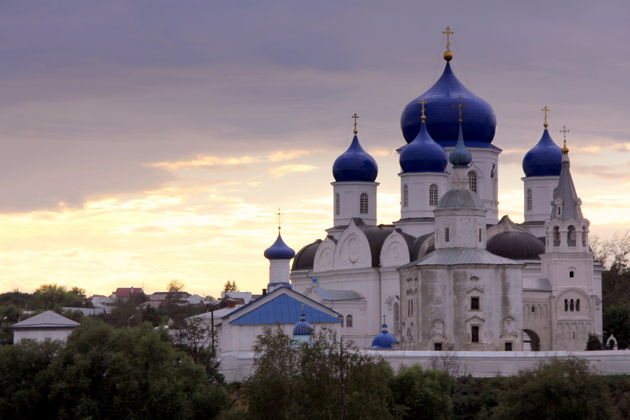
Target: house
x,y
48,325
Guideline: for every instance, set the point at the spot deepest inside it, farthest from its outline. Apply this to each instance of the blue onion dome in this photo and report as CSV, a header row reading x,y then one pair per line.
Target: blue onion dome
x,y
480,123
302,327
544,159
355,164
460,156
384,340
423,154
279,250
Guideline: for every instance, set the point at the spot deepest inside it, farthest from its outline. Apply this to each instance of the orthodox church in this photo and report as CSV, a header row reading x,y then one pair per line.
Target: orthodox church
x,y
449,275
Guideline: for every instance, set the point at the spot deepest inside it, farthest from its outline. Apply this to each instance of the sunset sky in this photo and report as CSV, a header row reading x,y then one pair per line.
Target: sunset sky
x,y
154,140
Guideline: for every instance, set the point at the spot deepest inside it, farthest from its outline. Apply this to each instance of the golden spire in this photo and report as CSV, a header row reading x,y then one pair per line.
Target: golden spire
x,y
355,117
546,110
564,132
423,117
461,106
448,55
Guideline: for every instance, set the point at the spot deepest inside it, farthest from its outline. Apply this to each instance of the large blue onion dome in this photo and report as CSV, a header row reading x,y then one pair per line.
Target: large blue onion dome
x,y
279,250
423,154
384,340
544,159
460,156
480,123
302,327
355,164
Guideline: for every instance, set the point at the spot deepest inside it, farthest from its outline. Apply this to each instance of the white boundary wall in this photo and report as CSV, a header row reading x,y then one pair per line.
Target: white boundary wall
x,y
237,366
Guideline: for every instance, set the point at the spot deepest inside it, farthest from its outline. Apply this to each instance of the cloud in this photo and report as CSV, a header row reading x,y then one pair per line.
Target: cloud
x,y
208,161
280,171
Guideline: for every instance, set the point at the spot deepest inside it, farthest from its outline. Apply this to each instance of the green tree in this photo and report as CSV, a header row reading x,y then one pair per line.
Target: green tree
x,y
560,389
49,296
195,337
421,394
230,286
324,379
129,373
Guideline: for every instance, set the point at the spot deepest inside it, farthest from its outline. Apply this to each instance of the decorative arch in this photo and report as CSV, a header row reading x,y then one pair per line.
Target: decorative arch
x,y
352,250
531,341
324,256
395,251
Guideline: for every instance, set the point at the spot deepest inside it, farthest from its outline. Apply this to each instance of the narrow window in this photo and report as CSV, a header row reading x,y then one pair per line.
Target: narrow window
x,y
337,204
529,199
474,303
571,274
508,346
437,346
556,236
396,316
577,305
571,305
474,333
479,234
533,308
411,306
433,195
341,318
559,212
583,235
472,181
571,236
363,203
349,321
447,235
405,196
566,305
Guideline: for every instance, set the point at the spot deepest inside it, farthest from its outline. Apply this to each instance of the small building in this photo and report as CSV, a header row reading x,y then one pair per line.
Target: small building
x,y
48,325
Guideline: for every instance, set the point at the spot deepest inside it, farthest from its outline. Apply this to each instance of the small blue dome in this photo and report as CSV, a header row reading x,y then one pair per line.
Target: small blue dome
x,y
384,340
423,154
480,123
302,327
355,165
544,159
460,156
279,251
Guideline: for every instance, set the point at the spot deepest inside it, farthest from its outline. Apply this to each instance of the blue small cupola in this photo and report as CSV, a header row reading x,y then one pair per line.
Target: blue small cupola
x,y
423,154
355,164
460,156
279,250
385,340
302,330
545,158
479,127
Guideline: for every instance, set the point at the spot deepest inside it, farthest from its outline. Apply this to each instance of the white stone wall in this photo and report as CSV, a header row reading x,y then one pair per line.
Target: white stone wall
x,y
349,196
541,188
418,185
41,334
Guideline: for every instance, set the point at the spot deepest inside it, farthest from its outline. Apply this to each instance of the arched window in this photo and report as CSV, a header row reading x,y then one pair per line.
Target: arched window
x,y
577,305
556,236
405,196
337,204
433,195
348,321
571,236
479,234
566,305
363,203
571,305
571,274
559,212
447,235
529,199
472,181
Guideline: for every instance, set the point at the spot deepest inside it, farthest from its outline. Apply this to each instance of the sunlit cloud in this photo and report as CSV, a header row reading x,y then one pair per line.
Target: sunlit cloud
x,y
208,161
280,171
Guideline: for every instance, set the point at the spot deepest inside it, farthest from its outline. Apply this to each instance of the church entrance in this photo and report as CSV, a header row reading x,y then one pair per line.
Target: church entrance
x,y
531,342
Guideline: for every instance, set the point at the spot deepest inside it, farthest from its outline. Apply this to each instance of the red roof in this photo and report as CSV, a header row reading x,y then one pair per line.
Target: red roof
x,y
128,291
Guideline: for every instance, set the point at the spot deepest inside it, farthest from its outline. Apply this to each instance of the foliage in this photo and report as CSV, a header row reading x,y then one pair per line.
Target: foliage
x,y
323,379
593,343
422,394
230,286
617,322
49,296
16,298
197,338
560,389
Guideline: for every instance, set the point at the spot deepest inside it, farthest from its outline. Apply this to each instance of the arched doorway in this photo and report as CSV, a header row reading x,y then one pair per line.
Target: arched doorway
x,y
531,342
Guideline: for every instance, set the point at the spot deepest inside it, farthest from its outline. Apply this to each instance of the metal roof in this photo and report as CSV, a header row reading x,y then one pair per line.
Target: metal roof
x,y
539,285
461,256
48,319
326,294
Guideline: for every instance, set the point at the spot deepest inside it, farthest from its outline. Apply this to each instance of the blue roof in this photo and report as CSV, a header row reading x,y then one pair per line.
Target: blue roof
x,y
479,125
355,165
282,309
279,250
423,154
460,156
544,159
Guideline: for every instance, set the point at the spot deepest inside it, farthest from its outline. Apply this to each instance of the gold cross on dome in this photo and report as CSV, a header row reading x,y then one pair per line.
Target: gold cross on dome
x,y
564,132
461,106
279,214
422,103
355,117
448,32
546,110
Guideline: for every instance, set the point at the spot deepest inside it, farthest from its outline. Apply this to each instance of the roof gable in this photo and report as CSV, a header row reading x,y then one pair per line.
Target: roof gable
x,y
48,319
283,309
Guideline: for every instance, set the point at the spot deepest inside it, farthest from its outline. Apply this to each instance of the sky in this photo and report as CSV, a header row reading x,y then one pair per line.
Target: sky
x,y
148,141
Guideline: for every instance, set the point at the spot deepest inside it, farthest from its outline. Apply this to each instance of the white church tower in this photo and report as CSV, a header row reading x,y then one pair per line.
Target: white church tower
x,y
541,166
568,264
279,255
423,181
354,188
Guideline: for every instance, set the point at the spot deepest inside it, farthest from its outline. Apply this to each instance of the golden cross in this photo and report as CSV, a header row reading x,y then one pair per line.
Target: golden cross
x,y
422,102
546,110
460,105
355,117
279,214
448,32
564,132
